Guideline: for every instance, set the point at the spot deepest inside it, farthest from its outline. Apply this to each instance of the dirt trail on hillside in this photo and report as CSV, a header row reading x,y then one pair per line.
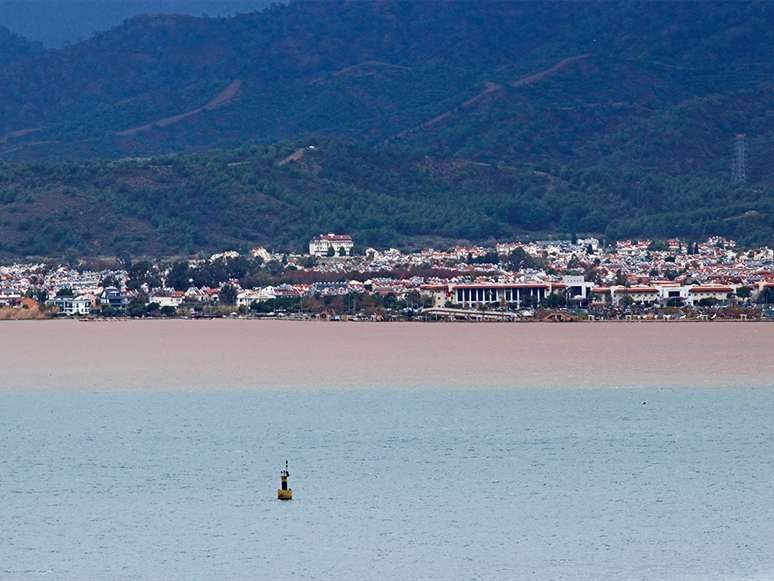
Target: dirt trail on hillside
x,y
537,76
21,133
489,88
295,156
223,98
345,71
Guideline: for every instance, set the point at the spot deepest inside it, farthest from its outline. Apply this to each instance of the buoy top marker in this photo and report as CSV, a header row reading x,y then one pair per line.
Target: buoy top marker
x,y
285,493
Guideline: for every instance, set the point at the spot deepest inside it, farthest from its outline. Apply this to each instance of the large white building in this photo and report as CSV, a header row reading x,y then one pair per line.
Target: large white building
x,y
719,293
319,245
71,305
488,293
501,293
167,299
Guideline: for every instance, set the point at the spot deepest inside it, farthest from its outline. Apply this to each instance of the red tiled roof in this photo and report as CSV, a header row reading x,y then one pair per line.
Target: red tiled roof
x,y
635,289
709,289
334,237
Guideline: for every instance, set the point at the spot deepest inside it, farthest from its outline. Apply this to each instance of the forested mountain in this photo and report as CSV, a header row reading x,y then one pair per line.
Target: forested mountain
x,y
282,195
14,48
56,22
641,84
437,122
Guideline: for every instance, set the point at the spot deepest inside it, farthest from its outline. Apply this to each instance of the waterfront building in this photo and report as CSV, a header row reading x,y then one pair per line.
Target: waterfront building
x,y
577,288
488,293
715,292
69,306
167,298
247,298
112,297
643,295
9,297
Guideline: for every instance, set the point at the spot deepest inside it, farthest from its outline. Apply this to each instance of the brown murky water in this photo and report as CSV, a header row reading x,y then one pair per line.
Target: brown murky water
x,y
244,354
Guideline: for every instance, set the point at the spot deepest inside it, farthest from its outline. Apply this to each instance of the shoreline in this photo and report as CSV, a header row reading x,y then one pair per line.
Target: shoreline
x,y
433,322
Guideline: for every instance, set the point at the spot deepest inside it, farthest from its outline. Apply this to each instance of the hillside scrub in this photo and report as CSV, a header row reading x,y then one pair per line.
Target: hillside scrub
x,y
243,198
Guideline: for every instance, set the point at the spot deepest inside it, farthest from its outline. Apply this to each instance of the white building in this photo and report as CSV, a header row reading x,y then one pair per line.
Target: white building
x,y
261,253
487,293
716,292
578,289
642,295
671,291
319,245
71,305
247,298
9,297
167,299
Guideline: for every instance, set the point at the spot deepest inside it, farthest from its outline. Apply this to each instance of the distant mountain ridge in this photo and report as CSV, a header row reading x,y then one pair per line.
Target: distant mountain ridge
x,y
665,85
54,23
14,47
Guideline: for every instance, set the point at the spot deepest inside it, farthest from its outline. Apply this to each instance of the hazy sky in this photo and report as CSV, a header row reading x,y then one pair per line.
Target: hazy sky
x,y
53,22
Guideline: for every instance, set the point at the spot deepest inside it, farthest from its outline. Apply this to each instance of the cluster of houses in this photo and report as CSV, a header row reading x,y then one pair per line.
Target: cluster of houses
x,y
83,304
581,274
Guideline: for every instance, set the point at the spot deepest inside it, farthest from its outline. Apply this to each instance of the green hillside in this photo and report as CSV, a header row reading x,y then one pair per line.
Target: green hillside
x,y
436,123
258,196
661,85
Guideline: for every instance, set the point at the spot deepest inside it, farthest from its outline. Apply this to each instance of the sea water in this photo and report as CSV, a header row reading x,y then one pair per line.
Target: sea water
x,y
576,484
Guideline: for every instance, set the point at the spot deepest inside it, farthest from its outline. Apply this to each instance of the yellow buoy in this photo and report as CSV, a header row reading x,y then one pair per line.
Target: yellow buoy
x,y
285,493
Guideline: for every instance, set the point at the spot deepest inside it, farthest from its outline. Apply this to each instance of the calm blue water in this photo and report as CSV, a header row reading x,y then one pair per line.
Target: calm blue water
x,y
521,484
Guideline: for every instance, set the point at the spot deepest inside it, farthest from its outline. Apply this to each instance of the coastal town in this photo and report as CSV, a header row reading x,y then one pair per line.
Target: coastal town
x,y
560,280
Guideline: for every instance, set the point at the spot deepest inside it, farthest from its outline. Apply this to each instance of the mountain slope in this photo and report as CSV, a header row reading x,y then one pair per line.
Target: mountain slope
x,y
277,197
661,85
14,48
55,22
